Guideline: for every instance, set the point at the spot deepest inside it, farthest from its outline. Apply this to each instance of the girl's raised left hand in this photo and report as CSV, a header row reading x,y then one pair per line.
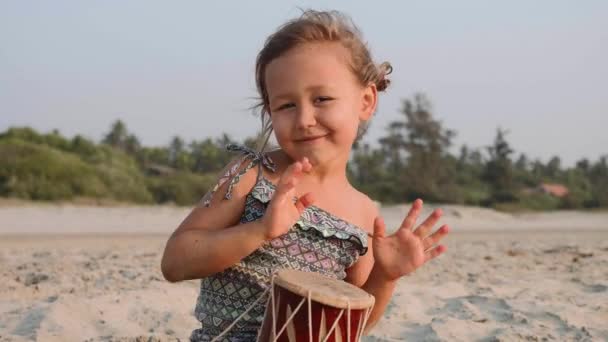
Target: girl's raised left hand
x,y
407,249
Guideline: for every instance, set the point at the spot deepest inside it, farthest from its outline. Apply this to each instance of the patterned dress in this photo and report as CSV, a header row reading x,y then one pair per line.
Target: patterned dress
x,y
318,242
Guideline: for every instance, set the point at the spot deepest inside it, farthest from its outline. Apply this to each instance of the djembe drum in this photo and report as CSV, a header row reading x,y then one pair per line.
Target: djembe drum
x,y
306,306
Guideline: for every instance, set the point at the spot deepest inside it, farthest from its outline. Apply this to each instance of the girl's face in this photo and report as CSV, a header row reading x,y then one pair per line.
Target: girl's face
x,y
316,102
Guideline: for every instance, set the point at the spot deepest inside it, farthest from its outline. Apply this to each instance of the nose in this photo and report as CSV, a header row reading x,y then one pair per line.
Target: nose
x,y
305,116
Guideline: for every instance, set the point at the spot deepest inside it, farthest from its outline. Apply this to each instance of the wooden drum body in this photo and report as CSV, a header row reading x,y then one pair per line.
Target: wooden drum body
x,y
302,304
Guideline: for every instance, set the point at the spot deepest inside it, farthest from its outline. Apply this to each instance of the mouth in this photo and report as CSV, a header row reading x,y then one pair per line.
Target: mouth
x,y
311,138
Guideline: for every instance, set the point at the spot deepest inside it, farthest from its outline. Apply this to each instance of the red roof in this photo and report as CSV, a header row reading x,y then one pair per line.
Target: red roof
x,y
556,190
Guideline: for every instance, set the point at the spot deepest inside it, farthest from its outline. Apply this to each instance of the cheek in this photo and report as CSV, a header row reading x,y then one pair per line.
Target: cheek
x,y
344,120
281,127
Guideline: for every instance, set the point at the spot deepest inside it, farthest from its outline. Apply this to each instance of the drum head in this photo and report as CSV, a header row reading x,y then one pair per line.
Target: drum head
x,y
324,290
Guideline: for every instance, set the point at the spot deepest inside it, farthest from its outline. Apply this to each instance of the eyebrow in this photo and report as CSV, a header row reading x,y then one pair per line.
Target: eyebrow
x,y
308,89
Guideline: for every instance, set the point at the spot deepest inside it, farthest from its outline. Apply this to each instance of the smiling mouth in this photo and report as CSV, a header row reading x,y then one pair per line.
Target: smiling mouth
x,y
313,138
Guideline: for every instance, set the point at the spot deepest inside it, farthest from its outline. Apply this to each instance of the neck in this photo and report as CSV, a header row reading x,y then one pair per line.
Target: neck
x,y
332,171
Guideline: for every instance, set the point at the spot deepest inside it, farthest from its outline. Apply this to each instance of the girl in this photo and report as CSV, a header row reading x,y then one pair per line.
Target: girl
x,y
294,207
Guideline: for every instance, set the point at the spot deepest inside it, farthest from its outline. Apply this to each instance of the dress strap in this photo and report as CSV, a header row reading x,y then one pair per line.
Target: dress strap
x,y
256,158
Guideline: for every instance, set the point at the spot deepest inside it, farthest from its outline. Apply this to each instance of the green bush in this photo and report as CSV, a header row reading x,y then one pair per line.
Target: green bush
x,y
539,202
39,172
476,195
182,188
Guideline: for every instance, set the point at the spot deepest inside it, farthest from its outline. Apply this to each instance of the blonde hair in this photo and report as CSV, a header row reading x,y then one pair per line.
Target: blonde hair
x,y
311,27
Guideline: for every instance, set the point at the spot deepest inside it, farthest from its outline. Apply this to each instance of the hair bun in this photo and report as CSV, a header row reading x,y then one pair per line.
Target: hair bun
x,y
384,70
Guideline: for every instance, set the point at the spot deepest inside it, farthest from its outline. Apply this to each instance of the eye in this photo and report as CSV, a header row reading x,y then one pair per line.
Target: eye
x,y
323,99
285,106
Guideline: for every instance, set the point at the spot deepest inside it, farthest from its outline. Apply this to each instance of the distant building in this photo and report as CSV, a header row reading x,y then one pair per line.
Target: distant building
x,y
557,190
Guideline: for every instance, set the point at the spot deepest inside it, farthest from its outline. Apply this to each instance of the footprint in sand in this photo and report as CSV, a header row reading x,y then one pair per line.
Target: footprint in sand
x,y
476,308
595,288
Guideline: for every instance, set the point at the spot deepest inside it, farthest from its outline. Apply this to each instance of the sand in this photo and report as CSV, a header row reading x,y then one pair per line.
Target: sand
x,y
83,273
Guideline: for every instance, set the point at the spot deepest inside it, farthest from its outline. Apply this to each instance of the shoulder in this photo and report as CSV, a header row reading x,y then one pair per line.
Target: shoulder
x,y
233,182
368,210
223,204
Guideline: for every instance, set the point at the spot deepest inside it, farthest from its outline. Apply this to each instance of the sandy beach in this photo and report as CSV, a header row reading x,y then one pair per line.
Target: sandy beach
x,y
85,273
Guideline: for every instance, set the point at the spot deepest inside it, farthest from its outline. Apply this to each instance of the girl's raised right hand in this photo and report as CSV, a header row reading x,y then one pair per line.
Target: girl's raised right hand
x,y
283,212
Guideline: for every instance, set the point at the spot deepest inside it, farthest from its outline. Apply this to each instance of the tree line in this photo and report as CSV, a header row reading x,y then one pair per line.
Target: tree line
x,y
412,159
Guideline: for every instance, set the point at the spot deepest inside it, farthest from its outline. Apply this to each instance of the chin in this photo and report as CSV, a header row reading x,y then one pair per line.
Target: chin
x,y
297,153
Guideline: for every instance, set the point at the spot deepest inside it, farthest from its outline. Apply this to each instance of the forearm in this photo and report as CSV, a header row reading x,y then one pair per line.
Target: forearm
x,y
382,290
195,254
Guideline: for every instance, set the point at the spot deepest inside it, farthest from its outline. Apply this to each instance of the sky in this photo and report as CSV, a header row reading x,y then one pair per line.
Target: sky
x,y
535,68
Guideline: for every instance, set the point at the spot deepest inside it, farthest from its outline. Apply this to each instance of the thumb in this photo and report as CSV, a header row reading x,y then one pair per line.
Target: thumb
x,y
305,201
379,227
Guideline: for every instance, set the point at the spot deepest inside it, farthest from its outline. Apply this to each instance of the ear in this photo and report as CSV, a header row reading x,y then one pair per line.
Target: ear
x,y
369,100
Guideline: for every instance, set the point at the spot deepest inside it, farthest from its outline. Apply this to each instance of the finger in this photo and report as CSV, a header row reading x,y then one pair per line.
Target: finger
x,y
412,215
379,227
434,252
285,190
306,165
439,234
304,202
426,226
288,179
292,171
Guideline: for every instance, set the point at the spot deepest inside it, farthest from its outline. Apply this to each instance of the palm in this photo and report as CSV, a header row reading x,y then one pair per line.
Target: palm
x,y
281,214
283,211
407,249
399,254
